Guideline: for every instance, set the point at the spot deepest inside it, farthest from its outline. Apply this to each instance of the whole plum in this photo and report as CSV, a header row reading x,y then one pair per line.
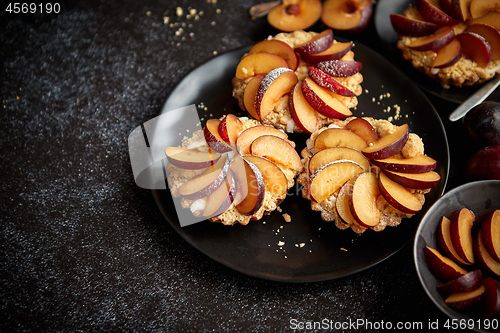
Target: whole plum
x,y
485,164
482,123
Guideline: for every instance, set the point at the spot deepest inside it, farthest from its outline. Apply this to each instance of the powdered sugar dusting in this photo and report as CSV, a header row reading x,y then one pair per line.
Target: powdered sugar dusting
x,y
273,75
340,68
266,82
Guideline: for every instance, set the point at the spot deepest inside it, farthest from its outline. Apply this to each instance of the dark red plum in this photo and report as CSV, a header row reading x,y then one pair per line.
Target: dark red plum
x,y
482,123
485,164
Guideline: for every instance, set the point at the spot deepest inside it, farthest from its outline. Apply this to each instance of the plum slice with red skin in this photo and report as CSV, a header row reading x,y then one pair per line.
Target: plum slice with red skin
x,y
213,138
277,150
448,55
275,85
323,101
339,137
440,266
465,300
207,182
334,52
324,182
490,232
259,63
278,47
491,298
412,27
461,223
329,83
303,114
364,129
465,283
444,240
414,164
317,44
415,180
340,68
434,14
255,190
191,159
389,144
476,48
398,196
363,199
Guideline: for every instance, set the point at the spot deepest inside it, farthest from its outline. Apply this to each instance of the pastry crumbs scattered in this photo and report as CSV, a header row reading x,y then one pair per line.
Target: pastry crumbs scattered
x,y
287,217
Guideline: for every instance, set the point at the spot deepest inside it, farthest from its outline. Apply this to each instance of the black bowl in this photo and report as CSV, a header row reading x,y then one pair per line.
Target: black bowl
x,y
482,197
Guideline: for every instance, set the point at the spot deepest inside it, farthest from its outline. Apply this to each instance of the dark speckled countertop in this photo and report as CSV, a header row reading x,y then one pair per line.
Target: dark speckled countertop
x,y
82,248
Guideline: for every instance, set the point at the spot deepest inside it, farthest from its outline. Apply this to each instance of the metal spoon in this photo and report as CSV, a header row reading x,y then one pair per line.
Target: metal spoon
x,y
263,9
475,99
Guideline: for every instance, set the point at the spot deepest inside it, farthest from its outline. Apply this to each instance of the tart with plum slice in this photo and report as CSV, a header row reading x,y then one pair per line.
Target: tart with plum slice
x,y
364,173
456,42
298,81
234,170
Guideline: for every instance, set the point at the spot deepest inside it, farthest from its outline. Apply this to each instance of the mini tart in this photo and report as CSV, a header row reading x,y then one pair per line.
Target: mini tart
x,y
465,72
281,116
390,216
178,176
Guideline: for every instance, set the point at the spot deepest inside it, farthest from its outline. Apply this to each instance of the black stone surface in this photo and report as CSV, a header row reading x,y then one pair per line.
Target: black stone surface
x,y
82,248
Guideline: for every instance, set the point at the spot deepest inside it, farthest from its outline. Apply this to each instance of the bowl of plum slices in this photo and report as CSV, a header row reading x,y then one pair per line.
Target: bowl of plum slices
x,y
457,255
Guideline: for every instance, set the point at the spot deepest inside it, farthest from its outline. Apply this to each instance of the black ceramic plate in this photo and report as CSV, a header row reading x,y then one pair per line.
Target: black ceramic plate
x,y
389,39
482,198
312,250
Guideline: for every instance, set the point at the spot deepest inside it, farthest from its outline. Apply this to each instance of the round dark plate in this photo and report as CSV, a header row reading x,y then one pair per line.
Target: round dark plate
x,y
389,40
307,249
482,198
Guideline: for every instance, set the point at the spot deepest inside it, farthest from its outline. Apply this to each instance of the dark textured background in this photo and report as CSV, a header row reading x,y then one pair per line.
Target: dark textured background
x,y
82,248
